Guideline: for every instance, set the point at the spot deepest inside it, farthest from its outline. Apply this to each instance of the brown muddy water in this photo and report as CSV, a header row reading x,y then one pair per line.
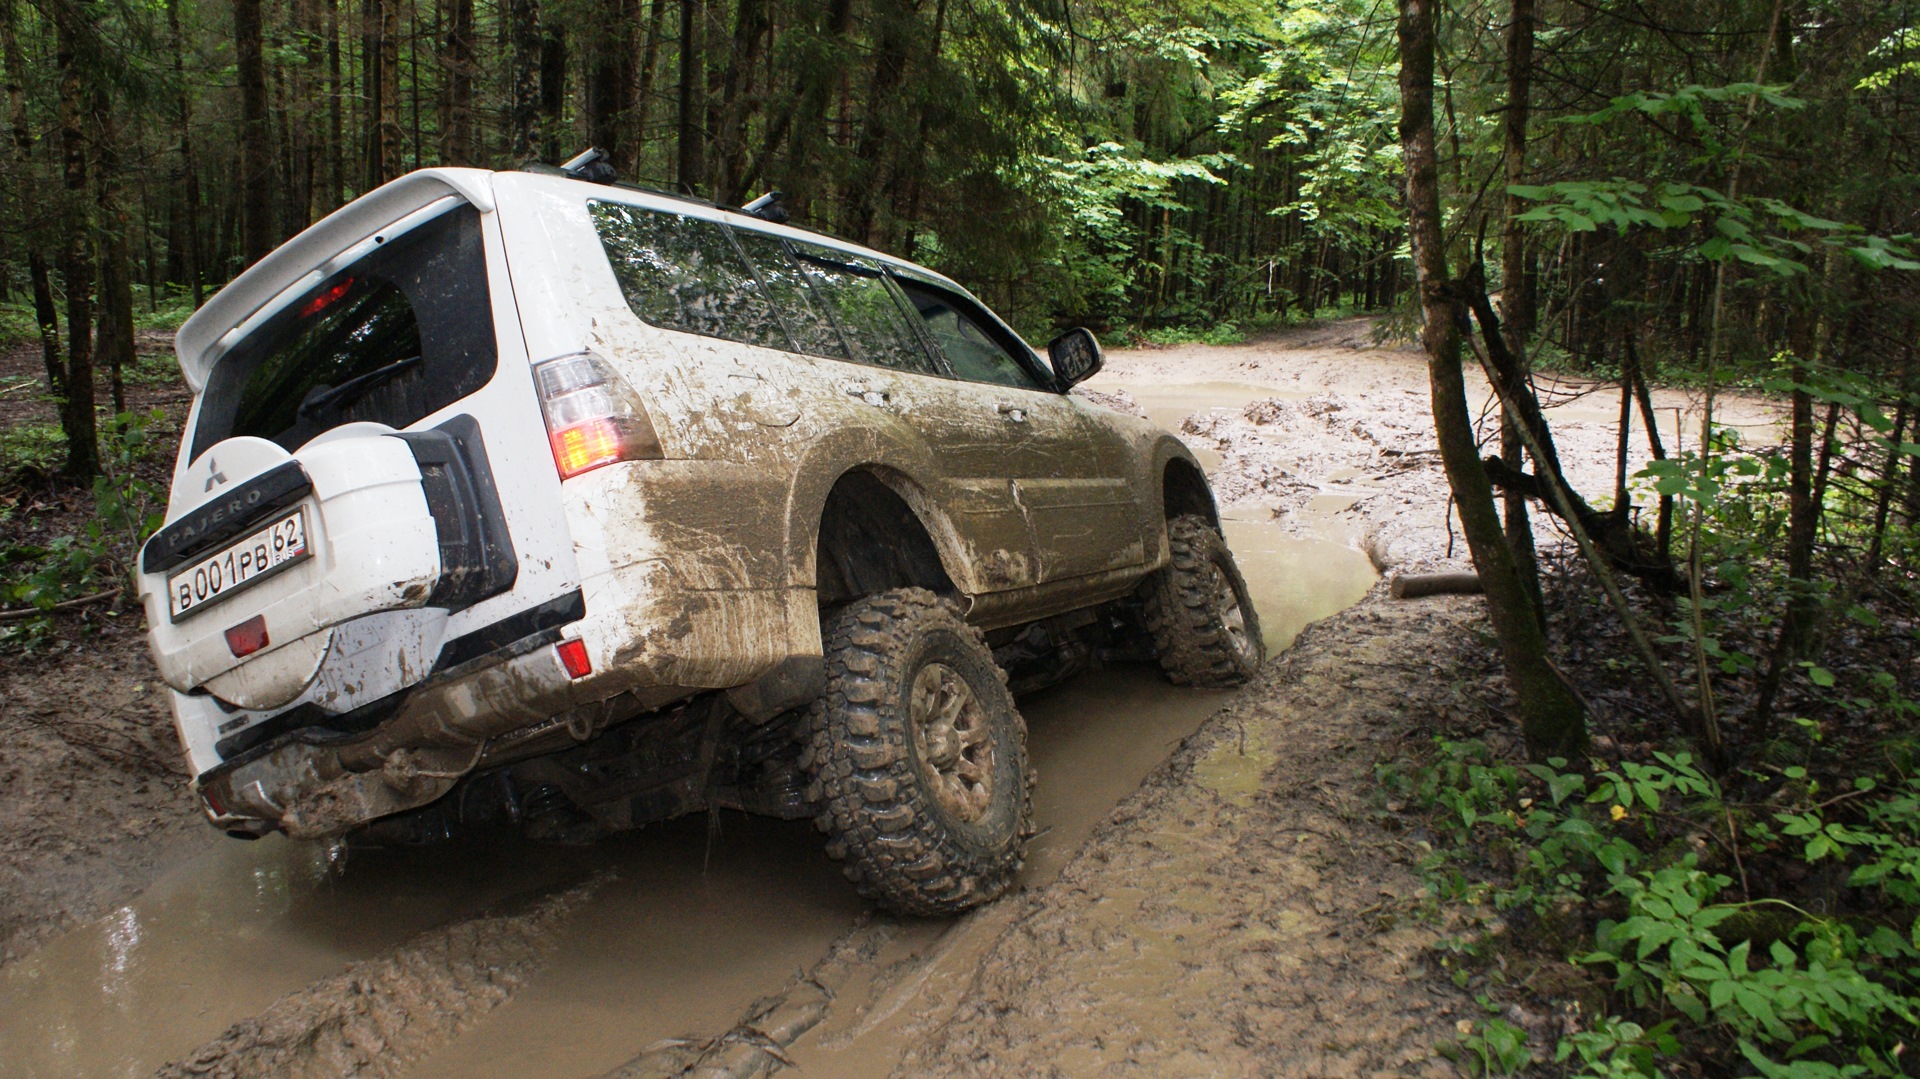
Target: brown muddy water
x,y
690,923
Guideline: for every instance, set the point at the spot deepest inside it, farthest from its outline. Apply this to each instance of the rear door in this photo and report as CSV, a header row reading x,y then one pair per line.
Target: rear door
x,y
893,374
391,383
1065,476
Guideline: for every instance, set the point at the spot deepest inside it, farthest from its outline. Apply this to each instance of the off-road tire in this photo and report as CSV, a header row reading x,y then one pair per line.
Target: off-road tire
x,y
1188,615
877,790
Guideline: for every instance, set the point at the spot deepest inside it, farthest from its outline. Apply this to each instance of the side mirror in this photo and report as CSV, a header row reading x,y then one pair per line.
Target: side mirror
x,y
1075,355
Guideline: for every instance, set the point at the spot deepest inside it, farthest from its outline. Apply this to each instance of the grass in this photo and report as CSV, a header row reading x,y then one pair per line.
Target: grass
x,y
31,446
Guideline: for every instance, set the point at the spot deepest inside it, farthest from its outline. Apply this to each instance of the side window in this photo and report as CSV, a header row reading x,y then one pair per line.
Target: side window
x,y
405,331
683,273
813,333
855,292
970,347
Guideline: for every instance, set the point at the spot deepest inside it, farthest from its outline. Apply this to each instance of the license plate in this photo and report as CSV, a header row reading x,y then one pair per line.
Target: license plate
x,y
249,561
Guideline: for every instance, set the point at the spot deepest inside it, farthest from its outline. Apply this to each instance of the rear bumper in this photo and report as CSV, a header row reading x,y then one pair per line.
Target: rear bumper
x,y
513,701
312,789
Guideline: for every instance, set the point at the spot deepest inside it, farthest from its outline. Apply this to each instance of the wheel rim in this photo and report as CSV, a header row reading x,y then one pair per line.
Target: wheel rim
x,y
953,740
1232,618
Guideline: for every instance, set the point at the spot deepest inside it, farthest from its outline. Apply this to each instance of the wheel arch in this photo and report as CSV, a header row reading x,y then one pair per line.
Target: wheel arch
x,y
872,468
1183,485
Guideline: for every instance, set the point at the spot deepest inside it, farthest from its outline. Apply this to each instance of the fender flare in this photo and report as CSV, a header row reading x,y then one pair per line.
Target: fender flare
x,y
905,466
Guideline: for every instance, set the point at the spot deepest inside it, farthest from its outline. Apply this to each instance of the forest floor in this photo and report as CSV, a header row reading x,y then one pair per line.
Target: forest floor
x,y
1253,907
93,798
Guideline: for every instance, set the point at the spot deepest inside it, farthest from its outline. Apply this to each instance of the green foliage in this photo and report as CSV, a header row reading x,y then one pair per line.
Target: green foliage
x,y
1820,995
127,510
1616,1048
38,447
164,317
17,325
1495,1047
1758,231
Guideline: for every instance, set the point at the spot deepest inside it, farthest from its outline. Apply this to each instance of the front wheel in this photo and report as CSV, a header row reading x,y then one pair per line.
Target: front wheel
x,y
1198,612
917,757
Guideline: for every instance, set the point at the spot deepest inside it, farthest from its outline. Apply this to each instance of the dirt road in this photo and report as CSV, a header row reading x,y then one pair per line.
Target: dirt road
x,y
1216,888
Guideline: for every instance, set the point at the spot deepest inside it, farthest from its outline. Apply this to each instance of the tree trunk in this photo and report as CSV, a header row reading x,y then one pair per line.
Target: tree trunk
x,y
76,256
459,60
383,89
189,253
45,315
1551,715
689,174
749,29
553,88
628,160
819,74
609,82
1637,373
113,338
1516,285
256,164
336,112
523,101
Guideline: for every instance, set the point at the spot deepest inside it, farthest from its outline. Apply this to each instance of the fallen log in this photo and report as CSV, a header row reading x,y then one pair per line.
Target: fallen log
x,y
1415,585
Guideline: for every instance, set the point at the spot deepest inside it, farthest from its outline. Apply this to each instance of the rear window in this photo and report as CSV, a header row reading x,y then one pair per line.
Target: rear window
x,y
698,276
400,334
683,273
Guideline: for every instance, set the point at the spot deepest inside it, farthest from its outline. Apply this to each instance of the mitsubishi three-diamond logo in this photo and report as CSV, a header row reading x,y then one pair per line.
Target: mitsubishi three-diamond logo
x,y
213,466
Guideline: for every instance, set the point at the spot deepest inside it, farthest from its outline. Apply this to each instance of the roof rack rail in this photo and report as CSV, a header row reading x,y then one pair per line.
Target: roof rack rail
x,y
593,166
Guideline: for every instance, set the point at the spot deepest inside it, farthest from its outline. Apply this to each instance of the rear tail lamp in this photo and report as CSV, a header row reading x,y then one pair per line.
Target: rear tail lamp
x,y
593,417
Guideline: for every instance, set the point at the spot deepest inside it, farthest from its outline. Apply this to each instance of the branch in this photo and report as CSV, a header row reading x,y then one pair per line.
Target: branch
x,y
67,605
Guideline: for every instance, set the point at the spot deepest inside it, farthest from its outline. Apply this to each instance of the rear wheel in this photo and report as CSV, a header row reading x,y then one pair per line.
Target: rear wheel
x,y
917,757
1201,618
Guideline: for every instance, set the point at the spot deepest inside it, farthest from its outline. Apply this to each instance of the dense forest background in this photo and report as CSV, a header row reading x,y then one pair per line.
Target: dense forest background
x,y
1190,163
1211,164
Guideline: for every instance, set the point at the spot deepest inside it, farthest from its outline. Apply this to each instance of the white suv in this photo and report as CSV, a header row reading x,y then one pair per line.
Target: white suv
x,y
516,497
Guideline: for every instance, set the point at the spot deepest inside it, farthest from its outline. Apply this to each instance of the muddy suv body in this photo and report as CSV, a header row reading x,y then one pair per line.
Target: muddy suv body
x,y
508,495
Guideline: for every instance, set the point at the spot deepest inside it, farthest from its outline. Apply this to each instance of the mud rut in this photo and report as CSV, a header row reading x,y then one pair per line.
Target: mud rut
x,y
1211,891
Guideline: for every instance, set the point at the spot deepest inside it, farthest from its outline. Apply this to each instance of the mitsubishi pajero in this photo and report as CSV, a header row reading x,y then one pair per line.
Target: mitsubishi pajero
x,y
513,497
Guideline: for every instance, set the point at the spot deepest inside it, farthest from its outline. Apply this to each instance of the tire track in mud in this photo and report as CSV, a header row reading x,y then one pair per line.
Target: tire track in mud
x,y
381,1015
1244,913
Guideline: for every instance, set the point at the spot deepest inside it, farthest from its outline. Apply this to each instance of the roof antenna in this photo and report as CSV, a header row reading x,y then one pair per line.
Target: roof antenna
x,y
591,166
768,207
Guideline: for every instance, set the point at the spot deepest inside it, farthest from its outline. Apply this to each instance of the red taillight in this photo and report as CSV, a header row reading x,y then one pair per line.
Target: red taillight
x,y
573,656
213,803
248,637
593,418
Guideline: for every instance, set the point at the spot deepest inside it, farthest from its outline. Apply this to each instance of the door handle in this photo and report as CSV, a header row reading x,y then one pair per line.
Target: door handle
x,y
1012,412
878,396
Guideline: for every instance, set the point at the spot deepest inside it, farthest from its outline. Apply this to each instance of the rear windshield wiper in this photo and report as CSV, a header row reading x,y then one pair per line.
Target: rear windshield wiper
x,y
335,396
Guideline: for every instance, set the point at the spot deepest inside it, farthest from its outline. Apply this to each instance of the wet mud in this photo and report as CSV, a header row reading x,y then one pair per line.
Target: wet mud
x,y
693,922
1212,890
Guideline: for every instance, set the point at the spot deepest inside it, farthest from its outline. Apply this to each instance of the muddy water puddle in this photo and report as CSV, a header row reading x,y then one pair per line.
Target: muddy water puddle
x,y
223,936
691,922
1169,404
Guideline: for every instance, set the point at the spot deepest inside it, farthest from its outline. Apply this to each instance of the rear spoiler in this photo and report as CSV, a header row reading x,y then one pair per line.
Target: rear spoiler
x,y
211,330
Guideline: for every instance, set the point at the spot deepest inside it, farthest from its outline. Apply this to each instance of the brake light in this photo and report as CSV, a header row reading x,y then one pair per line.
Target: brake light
x,y
593,417
573,656
326,299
